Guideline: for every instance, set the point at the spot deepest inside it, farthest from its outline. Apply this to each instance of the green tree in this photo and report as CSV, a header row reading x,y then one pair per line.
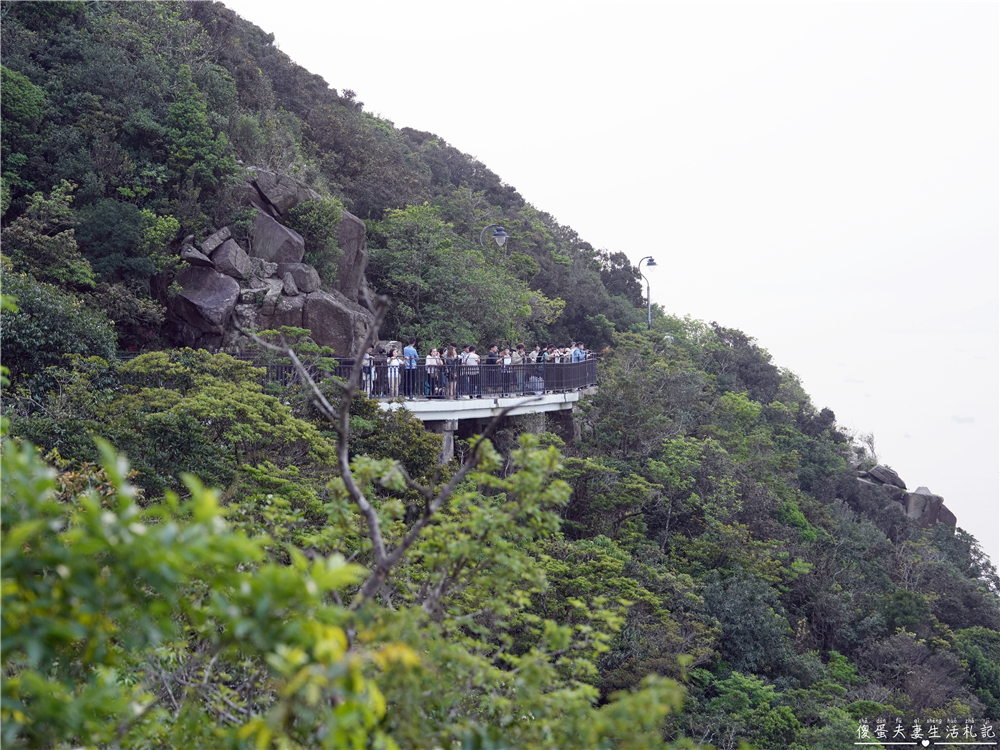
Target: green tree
x,y
131,625
442,287
111,235
754,629
980,647
23,110
41,241
317,222
48,325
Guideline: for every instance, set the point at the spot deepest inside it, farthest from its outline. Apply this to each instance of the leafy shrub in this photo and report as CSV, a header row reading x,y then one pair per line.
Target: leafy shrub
x,y
317,222
111,236
48,325
41,241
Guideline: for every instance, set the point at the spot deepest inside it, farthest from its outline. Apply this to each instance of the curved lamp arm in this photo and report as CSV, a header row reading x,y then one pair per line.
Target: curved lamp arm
x,y
499,235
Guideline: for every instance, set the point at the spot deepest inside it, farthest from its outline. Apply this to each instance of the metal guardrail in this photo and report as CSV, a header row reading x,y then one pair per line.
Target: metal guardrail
x,y
442,381
477,381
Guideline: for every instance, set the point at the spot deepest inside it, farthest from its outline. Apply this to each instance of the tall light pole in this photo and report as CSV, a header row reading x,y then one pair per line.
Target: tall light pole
x,y
649,301
499,235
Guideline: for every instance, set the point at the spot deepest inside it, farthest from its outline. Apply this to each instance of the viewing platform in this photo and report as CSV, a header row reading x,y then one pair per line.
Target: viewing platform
x,y
487,407
457,400
461,401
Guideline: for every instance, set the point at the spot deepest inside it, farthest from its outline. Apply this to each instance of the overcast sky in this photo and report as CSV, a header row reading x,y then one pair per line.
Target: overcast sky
x,y
822,176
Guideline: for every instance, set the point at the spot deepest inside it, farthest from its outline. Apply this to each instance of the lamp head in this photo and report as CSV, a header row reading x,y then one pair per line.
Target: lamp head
x,y
500,236
650,262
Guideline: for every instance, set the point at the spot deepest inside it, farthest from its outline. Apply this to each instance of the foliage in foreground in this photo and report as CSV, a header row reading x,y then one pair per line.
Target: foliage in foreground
x,y
137,624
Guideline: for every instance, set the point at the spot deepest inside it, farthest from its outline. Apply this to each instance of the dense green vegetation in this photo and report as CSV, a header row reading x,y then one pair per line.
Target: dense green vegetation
x,y
700,567
129,126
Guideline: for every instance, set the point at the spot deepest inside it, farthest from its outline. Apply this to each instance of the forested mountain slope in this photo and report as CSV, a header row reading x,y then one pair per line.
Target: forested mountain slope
x,y
127,128
702,566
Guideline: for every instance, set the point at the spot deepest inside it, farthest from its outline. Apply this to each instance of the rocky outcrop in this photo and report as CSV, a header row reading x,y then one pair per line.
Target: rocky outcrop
x,y
232,260
206,300
225,287
887,476
305,276
273,195
335,320
194,258
281,191
275,242
921,505
354,259
208,246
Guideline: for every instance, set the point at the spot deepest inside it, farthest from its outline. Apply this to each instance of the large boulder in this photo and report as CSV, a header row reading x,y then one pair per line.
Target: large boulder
x,y
288,312
925,507
306,277
275,242
336,321
232,260
208,246
289,287
281,191
887,476
206,299
194,258
351,234
250,196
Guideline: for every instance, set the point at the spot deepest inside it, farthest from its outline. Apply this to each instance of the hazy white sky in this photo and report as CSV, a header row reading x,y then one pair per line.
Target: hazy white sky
x,y
822,176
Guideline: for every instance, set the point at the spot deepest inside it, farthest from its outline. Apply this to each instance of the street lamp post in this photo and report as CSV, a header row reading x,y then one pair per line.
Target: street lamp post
x,y
499,235
649,301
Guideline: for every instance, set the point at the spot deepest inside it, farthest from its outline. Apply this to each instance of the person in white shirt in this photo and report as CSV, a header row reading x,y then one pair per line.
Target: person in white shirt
x,y
472,368
392,373
433,366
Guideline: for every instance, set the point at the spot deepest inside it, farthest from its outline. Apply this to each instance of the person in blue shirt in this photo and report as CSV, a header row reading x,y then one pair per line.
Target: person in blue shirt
x,y
410,358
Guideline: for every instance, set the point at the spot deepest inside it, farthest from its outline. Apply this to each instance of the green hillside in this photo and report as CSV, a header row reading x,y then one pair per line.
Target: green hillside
x,y
712,561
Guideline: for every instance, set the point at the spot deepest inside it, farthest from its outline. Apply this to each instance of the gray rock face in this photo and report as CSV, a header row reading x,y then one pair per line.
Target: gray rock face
x,y
282,191
288,312
274,287
250,197
306,277
887,476
195,258
275,242
263,269
289,287
924,508
270,302
232,260
209,245
922,505
946,517
206,300
335,321
354,255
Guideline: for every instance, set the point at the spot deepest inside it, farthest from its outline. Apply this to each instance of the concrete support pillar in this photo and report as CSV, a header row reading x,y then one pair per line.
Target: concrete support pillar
x,y
447,446
446,428
563,424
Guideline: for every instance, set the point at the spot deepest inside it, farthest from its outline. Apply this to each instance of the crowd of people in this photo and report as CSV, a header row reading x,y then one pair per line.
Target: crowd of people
x,y
451,372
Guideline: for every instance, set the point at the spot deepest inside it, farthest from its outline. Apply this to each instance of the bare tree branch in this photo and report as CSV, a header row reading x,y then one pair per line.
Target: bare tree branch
x,y
384,558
